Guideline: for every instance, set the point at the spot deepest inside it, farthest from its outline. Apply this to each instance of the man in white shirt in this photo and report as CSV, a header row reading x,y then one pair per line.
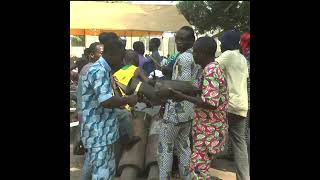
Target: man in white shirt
x,y
234,65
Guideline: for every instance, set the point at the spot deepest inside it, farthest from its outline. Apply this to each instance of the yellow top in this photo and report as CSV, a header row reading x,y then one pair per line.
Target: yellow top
x,y
123,76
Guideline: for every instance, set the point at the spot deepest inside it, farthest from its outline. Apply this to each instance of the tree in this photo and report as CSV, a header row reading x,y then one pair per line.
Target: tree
x,y
213,15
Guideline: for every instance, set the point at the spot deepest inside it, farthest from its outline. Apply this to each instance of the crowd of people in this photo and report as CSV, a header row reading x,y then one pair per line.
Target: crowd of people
x,y
194,128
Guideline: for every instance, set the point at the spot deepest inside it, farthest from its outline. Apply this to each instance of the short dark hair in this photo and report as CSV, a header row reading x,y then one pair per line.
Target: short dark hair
x,y
131,57
113,47
106,36
138,46
81,62
156,41
207,46
86,52
93,47
190,30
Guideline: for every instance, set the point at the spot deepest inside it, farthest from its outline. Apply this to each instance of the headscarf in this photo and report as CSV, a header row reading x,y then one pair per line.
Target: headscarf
x,y
230,40
244,42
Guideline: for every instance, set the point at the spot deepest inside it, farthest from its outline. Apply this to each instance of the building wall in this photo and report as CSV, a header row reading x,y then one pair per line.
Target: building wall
x,y
167,44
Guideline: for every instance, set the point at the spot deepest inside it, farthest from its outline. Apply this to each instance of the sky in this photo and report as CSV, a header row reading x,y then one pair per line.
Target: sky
x,y
156,2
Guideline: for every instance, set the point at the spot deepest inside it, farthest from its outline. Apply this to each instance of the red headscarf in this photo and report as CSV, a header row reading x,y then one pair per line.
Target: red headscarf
x,y
244,42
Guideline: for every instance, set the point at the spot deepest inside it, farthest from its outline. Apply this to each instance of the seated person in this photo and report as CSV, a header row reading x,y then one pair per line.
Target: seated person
x,y
132,59
121,79
129,70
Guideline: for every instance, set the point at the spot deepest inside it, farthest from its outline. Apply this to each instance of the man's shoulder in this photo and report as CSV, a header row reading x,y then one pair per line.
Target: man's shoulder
x,y
230,55
96,67
224,54
85,69
187,52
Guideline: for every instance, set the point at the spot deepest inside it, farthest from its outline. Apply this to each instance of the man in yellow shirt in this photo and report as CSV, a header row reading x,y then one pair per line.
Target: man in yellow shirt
x,y
235,67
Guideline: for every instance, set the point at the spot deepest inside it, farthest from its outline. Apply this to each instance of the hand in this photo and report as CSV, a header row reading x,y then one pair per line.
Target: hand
x,y
132,100
143,99
176,95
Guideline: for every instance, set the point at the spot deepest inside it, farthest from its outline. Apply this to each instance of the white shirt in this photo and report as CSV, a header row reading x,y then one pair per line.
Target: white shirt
x,y
235,67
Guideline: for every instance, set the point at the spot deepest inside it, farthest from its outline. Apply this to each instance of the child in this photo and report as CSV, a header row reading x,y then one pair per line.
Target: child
x,y
130,70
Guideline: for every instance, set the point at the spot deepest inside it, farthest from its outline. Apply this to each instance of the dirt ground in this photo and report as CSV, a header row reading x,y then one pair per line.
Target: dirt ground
x,y
222,169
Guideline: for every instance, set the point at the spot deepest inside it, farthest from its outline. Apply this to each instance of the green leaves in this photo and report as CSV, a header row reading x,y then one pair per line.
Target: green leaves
x,y
213,15
76,38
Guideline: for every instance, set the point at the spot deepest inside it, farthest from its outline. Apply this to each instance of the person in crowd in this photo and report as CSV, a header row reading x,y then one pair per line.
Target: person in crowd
x,y
131,59
75,69
154,60
99,129
127,139
245,50
123,76
235,67
124,41
209,126
128,71
168,67
104,37
245,45
138,47
176,123
94,51
154,45
80,62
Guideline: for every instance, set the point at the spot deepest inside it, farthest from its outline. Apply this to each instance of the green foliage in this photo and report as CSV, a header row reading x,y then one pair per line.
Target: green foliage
x,y
213,15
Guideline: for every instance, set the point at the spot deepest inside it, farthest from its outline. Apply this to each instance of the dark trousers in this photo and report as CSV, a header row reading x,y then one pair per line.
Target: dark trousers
x,y
237,130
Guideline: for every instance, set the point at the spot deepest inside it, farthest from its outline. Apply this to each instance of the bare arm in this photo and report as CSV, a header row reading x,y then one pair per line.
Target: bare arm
x,y
140,75
195,100
210,97
101,83
116,101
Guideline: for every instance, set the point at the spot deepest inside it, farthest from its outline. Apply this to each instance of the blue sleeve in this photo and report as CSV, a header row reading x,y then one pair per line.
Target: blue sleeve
x,y
101,84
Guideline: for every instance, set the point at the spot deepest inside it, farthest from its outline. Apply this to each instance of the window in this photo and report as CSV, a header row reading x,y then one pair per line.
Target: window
x,y
160,47
145,41
78,41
